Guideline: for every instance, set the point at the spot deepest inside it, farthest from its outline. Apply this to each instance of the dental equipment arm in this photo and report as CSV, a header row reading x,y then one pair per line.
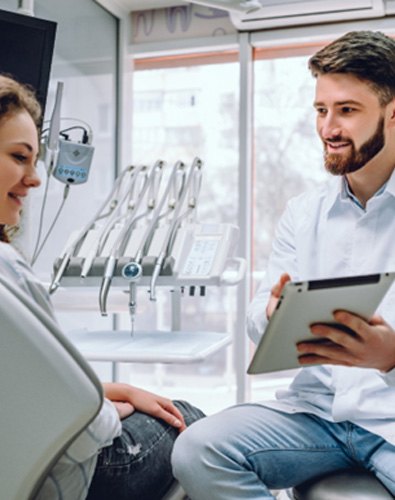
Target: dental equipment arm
x,y
65,259
179,166
112,220
122,238
132,271
191,211
153,190
194,171
111,262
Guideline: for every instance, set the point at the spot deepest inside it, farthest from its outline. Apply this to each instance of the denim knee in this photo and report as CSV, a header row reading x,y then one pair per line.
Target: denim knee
x,y
190,413
187,452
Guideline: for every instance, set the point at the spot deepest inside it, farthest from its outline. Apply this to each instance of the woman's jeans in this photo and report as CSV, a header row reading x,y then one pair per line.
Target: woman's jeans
x,y
137,465
248,450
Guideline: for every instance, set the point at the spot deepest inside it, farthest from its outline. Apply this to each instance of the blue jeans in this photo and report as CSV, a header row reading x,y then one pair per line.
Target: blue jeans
x,y
248,450
137,464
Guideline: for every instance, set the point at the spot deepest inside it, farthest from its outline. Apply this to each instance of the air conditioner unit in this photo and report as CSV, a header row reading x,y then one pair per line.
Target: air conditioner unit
x,y
281,13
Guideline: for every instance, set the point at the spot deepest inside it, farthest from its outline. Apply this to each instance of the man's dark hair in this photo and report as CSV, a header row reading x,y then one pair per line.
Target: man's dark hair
x,y
368,55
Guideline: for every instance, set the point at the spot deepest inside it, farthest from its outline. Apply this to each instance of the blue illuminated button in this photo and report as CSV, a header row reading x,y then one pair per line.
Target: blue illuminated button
x,y
131,271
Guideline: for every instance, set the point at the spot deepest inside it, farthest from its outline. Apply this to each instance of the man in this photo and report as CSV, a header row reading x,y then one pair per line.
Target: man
x,y
341,413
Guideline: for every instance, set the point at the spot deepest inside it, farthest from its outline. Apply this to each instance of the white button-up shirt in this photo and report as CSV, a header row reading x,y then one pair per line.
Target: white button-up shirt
x,y
326,234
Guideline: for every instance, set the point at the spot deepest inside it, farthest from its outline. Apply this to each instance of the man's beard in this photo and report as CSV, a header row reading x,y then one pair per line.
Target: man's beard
x,y
338,164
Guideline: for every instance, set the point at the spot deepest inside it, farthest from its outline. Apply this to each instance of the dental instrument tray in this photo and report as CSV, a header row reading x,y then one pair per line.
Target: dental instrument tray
x,y
148,346
305,303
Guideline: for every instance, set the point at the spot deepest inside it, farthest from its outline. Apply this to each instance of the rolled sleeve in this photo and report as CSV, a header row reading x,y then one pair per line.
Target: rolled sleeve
x,y
282,260
98,435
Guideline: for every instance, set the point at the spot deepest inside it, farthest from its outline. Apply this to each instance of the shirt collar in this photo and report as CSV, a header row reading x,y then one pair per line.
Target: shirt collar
x,y
349,194
339,191
390,187
334,194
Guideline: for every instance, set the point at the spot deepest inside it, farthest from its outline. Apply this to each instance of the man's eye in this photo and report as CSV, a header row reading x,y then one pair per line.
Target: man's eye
x,y
347,109
321,111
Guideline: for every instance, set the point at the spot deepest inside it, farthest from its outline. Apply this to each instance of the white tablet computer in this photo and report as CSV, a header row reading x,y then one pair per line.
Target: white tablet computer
x,y
304,303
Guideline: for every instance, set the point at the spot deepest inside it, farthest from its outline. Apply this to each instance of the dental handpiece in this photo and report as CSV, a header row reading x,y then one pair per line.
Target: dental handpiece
x,y
59,273
132,272
106,283
119,244
170,236
112,218
81,235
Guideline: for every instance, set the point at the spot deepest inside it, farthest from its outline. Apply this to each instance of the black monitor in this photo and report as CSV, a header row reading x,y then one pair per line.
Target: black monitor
x,y
26,49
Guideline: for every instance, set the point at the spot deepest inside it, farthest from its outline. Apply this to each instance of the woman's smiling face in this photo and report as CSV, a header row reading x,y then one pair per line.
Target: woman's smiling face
x,y
18,156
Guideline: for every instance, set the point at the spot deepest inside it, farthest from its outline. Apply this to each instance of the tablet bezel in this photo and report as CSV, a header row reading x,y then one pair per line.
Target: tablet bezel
x,y
304,303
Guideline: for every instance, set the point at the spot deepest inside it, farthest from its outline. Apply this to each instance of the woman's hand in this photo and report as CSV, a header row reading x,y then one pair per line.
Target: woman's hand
x,y
368,345
146,402
275,294
123,408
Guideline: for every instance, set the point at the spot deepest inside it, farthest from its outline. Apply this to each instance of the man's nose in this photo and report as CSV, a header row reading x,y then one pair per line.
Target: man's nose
x,y
330,127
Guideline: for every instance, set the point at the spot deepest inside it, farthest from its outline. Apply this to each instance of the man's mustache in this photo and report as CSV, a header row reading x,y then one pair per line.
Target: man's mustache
x,y
336,139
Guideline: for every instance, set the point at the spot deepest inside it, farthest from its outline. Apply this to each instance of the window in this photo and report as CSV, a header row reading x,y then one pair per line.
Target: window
x,y
288,154
192,121
88,71
288,159
179,113
203,121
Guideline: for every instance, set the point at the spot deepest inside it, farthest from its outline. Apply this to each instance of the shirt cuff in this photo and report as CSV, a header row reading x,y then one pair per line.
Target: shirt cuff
x,y
389,377
254,330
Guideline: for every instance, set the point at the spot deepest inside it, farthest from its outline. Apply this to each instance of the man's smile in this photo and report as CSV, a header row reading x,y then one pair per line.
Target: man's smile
x,y
336,147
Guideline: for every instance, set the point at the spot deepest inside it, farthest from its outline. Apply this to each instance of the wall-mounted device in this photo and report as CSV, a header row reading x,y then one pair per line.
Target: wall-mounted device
x,y
68,161
74,161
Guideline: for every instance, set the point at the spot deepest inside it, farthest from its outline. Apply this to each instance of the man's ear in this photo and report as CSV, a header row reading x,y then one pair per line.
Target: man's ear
x,y
391,113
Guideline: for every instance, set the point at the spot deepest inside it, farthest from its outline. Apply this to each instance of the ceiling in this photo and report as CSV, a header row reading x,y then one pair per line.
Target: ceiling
x,y
130,5
133,5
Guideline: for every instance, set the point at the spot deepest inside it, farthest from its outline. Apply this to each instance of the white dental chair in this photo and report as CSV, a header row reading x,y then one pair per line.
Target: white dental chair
x,y
48,394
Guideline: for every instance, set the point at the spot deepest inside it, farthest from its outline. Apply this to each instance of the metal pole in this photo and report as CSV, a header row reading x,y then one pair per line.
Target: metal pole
x,y
245,212
26,7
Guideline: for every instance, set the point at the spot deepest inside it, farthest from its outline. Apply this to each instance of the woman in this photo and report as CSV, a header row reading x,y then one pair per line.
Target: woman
x,y
125,452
